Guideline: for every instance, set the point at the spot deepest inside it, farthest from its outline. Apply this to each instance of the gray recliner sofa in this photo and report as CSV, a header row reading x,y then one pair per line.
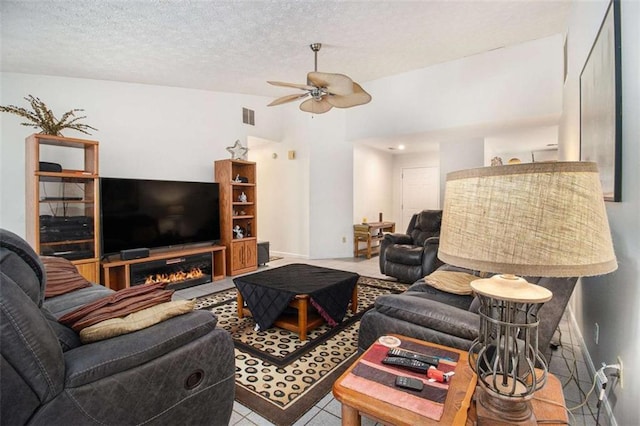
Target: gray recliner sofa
x,y
180,371
432,315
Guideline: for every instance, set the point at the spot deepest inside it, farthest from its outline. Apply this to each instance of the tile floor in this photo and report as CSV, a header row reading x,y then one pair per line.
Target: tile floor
x,y
567,362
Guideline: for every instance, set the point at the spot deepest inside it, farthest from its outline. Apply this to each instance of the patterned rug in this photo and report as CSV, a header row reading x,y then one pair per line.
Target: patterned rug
x,y
277,375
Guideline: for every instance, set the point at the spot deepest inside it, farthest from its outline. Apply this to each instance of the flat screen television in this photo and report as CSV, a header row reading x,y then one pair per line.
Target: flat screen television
x,y
142,213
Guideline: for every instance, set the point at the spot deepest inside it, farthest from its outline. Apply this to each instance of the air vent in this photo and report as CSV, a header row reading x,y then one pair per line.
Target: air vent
x,y
248,116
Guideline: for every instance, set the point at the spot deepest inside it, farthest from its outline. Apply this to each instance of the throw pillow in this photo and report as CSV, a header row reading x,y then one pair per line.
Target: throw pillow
x,y
117,305
136,321
62,276
451,282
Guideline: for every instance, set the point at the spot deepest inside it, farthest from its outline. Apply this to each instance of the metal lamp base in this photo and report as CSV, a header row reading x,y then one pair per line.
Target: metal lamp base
x,y
496,410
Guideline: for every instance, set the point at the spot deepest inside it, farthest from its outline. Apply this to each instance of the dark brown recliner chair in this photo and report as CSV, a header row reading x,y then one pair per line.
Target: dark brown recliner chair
x,y
411,256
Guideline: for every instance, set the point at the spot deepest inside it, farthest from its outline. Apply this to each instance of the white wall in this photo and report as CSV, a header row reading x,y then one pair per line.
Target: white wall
x,y
144,131
517,84
459,155
500,86
378,181
612,300
405,161
282,196
373,177
308,206
283,188
330,186
510,144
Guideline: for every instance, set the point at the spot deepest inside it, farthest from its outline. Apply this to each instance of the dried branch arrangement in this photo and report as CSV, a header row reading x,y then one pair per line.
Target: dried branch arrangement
x,y
42,118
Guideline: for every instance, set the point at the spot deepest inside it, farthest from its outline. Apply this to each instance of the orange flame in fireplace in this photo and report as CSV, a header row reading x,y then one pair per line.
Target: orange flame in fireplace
x,y
174,277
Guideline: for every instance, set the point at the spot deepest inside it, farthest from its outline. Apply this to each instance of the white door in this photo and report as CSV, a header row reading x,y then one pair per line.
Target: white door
x,y
420,191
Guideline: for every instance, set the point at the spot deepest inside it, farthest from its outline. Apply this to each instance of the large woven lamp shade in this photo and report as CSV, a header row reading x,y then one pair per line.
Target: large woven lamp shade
x,y
538,219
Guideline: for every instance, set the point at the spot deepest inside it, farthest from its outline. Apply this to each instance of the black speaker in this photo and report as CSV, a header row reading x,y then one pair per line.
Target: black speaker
x,y
137,253
50,167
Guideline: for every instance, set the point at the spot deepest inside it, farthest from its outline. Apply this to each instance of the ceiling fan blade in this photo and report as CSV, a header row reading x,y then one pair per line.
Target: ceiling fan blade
x,y
288,98
295,85
316,107
358,97
336,84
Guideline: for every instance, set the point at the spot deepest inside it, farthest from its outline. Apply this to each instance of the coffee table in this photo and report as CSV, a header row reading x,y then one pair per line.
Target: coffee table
x,y
459,408
268,294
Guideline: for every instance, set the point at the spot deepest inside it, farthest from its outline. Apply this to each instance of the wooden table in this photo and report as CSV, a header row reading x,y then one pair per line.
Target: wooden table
x,y
459,406
370,233
354,402
548,406
304,321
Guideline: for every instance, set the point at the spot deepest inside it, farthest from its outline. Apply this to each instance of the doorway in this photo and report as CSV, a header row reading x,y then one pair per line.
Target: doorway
x,y
420,191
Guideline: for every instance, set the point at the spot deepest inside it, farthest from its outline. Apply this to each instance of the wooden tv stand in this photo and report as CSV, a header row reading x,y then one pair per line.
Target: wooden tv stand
x,y
116,274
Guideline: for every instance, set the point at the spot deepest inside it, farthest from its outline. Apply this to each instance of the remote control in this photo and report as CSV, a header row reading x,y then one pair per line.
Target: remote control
x,y
410,364
409,383
433,360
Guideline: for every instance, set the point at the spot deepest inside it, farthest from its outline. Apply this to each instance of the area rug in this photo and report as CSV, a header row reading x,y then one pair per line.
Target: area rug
x,y
277,375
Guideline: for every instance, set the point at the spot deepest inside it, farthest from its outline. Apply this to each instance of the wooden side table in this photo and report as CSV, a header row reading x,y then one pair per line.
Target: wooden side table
x,y
370,234
459,408
360,401
548,406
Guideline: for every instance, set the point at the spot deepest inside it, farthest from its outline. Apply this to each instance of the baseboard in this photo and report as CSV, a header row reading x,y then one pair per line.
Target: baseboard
x,y
285,254
608,412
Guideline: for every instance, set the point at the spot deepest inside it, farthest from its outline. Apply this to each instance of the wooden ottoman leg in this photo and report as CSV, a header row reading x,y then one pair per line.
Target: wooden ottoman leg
x,y
354,299
302,318
240,301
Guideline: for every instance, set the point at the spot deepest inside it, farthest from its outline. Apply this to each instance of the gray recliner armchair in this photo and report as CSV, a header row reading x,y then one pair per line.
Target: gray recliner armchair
x,y
411,256
180,371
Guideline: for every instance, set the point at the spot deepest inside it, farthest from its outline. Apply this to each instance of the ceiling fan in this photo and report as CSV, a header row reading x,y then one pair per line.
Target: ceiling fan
x,y
327,90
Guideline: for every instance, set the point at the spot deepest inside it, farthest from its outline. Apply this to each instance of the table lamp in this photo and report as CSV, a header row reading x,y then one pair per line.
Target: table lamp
x,y
538,219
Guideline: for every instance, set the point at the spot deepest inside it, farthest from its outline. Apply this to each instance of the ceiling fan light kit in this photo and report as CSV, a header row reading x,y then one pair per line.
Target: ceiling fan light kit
x,y
327,90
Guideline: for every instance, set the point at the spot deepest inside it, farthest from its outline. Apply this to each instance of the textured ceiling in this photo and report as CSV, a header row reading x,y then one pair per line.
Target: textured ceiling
x,y
235,46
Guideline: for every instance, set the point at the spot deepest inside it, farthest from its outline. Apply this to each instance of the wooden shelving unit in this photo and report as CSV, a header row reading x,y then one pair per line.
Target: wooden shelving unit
x,y
63,207
241,252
